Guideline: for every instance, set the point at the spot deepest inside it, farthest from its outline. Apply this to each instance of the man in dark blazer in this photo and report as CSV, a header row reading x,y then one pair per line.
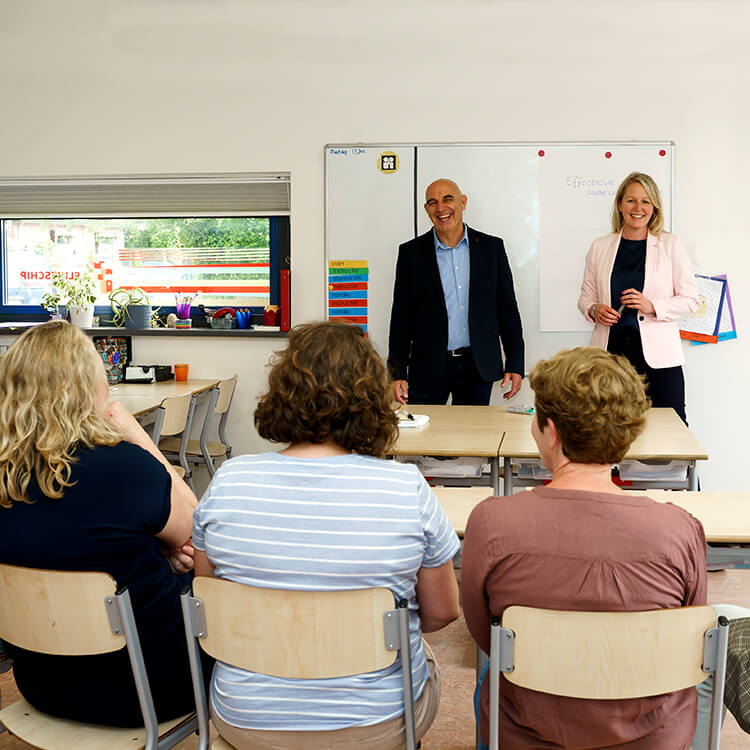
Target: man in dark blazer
x,y
453,303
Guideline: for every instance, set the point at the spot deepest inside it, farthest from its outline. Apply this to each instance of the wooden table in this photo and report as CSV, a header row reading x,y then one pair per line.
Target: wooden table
x,y
457,431
725,515
141,398
665,438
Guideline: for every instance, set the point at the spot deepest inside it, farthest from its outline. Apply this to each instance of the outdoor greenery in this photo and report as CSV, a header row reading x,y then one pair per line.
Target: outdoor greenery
x,y
227,232
197,232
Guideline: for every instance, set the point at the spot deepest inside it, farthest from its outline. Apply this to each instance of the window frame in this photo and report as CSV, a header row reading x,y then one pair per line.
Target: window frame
x,y
248,195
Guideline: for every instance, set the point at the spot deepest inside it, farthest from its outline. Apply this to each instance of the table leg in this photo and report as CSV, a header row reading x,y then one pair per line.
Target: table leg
x,y
692,477
507,477
495,475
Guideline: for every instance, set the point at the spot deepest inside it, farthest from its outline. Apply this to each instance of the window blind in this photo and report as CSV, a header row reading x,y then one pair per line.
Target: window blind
x,y
124,196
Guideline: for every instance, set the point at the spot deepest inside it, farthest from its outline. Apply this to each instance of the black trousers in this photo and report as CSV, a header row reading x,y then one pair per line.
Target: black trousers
x,y
665,385
459,379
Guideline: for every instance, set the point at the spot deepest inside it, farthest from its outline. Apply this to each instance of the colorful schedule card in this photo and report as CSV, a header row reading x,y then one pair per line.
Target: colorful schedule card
x,y
347,291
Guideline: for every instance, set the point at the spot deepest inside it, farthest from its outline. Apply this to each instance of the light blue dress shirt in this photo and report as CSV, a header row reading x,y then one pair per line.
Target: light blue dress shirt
x,y
453,264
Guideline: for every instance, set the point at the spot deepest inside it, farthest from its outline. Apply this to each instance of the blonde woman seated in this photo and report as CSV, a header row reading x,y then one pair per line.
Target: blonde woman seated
x,y
328,513
82,487
581,543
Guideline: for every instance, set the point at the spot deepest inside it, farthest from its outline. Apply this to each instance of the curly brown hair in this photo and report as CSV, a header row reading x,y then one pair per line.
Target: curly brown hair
x,y
596,400
328,384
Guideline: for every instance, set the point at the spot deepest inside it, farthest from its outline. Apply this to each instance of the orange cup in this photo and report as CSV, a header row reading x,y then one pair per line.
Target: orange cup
x,y
181,373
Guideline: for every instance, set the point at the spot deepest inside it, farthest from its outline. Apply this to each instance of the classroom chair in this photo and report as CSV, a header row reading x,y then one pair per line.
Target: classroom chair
x,y
174,418
295,634
77,614
608,655
204,451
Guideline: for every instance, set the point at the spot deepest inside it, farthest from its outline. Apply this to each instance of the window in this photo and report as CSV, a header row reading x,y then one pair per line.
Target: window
x,y
164,235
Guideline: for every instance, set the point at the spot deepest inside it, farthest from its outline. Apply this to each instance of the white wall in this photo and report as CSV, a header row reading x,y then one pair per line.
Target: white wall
x,y
147,86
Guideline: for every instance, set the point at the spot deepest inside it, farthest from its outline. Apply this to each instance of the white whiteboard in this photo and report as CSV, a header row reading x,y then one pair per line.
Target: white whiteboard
x,y
547,201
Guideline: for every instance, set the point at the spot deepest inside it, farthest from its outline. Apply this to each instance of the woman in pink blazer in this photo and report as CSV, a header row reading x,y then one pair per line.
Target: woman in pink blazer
x,y
637,285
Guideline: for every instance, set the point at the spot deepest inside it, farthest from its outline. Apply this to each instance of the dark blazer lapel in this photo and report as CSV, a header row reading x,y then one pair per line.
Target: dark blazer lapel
x,y
476,265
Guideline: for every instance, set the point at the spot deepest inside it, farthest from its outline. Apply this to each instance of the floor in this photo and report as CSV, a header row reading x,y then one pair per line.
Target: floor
x,y
454,726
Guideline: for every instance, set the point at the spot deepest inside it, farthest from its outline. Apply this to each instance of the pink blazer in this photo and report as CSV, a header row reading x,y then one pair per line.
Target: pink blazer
x,y
669,284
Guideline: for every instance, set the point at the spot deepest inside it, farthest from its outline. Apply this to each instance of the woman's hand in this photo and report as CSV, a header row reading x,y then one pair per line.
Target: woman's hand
x,y
633,299
604,314
118,416
180,558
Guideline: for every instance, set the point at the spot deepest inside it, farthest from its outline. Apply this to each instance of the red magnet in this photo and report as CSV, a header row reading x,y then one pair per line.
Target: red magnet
x,y
541,152
662,152
608,154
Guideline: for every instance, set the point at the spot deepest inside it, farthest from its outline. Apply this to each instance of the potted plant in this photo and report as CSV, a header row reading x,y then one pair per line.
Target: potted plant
x,y
131,308
51,302
78,293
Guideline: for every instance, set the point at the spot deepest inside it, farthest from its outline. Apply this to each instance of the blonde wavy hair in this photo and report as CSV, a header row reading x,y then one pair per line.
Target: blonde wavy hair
x,y
48,410
596,400
656,223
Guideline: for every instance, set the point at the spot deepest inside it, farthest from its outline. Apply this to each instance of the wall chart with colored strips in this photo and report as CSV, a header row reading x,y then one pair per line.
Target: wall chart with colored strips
x,y
347,291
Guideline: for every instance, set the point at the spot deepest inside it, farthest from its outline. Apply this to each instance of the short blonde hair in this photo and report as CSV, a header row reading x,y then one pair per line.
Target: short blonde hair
x,y
49,379
596,400
656,223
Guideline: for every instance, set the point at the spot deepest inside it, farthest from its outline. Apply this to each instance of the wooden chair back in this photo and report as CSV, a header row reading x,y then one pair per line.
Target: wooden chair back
x,y
226,391
610,655
55,612
176,410
78,614
299,634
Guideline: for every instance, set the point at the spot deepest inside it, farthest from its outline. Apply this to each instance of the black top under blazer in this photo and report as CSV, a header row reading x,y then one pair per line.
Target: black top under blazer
x,y
418,338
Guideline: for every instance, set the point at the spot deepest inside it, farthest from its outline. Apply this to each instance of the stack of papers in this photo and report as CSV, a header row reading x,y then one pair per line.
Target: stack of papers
x,y
436,466
633,471
531,468
416,421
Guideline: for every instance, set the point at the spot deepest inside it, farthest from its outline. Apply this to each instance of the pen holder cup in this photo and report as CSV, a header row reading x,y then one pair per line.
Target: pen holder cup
x,y
243,318
183,310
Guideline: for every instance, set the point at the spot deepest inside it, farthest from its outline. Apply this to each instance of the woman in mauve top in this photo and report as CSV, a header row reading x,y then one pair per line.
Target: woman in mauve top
x,y
581,543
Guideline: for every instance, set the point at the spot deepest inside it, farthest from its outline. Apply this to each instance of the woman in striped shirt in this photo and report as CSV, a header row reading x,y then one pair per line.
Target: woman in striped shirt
x,y
328,513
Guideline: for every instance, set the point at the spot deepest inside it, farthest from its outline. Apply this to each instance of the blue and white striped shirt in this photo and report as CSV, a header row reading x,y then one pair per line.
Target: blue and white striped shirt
x,y
344,522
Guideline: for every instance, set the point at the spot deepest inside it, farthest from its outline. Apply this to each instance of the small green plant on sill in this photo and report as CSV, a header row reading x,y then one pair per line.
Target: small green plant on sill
x,y
50,301
122,298
79,291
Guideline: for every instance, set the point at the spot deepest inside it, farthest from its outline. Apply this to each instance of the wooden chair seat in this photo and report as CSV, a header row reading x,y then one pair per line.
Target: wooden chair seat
x,y
202,451
41,730
180,471
172,445
221,744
